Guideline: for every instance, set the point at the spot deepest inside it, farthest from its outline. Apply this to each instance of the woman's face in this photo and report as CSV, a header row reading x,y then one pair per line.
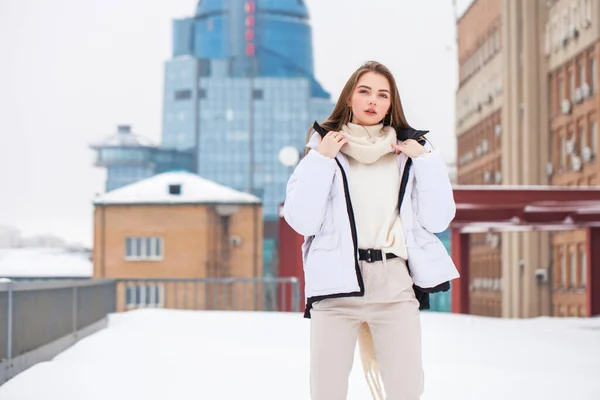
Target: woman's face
x,y
371,99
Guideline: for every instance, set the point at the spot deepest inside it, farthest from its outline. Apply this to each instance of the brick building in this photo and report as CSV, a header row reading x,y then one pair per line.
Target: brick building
x,y
178,225
571,48
479,106
527,108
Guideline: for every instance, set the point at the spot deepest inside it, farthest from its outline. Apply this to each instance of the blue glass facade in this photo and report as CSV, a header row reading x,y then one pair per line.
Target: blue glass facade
x,y
238,125
277,30
239,87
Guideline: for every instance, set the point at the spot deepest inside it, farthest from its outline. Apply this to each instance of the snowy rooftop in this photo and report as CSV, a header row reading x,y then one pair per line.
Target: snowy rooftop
x,y
194,190
168,354
44,262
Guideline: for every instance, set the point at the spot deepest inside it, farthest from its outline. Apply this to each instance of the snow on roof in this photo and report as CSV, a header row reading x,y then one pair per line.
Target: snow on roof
x,y
194,189
45,262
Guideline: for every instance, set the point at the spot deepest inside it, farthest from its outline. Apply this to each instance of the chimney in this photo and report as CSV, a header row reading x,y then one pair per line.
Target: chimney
x,y
125,129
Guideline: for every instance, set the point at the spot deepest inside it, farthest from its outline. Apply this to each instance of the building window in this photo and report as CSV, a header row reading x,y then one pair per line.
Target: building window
x,y
587,13
257,94
582,138
582,79
497,40
143,248
183,94
573,282
594,138
593,78
583,268
145,295
563,152
563,270
175,189
572,85
561,89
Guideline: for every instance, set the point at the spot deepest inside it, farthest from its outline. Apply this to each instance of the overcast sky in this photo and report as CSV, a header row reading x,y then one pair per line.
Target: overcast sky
x,y
71,70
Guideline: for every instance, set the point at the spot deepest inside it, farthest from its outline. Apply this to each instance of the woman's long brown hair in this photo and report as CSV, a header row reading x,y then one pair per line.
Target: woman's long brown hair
x,y
341,113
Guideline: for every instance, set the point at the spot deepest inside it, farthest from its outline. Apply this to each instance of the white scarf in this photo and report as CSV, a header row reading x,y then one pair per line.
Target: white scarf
x,y
367,144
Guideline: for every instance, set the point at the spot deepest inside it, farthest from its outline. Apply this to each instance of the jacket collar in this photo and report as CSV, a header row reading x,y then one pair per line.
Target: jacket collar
x,y
401,133
313,143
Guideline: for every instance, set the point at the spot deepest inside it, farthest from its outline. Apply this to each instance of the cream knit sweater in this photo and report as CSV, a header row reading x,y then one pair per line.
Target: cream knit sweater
x,y
374,187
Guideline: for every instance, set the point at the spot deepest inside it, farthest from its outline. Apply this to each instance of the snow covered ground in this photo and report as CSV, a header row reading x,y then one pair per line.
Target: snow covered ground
x,y
166,354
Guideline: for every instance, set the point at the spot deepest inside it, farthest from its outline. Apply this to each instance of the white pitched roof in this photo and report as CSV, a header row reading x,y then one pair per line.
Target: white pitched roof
x,y
194,189
45,262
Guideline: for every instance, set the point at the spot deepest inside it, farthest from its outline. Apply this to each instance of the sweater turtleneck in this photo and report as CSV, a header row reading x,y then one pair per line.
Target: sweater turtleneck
x,y
374,185
367,144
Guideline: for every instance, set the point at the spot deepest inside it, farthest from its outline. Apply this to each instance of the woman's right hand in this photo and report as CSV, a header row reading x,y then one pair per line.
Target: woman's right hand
x,y
331,144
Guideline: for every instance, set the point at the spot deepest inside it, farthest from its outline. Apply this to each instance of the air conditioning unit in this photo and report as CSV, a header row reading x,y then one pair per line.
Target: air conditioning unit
x,y
578,95
495,242
235,241
585,91
586,154
570,146
541,275
487,175
485,146
498,176
549,168
565,106
498,130
573,32
576,163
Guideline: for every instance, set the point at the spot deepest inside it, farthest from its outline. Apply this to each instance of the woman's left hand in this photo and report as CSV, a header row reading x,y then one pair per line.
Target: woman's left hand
x,y
411,148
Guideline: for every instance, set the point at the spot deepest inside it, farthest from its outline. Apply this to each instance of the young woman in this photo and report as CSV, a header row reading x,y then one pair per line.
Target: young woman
x,y
368,197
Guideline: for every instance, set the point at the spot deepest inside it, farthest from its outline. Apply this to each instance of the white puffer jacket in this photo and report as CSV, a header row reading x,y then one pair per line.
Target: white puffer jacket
x,y
318,206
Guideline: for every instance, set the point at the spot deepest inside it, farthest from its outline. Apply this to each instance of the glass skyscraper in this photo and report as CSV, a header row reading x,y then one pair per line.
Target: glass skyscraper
x,y
240,87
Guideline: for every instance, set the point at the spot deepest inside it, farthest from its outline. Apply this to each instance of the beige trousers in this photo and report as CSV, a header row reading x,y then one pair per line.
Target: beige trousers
x,y
390,309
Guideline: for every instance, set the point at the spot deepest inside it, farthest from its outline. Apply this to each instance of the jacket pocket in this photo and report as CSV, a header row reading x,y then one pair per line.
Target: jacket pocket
x,y
323,267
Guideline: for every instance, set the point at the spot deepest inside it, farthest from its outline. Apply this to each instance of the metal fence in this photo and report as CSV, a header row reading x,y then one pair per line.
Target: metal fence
x,y
241,294
40,319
